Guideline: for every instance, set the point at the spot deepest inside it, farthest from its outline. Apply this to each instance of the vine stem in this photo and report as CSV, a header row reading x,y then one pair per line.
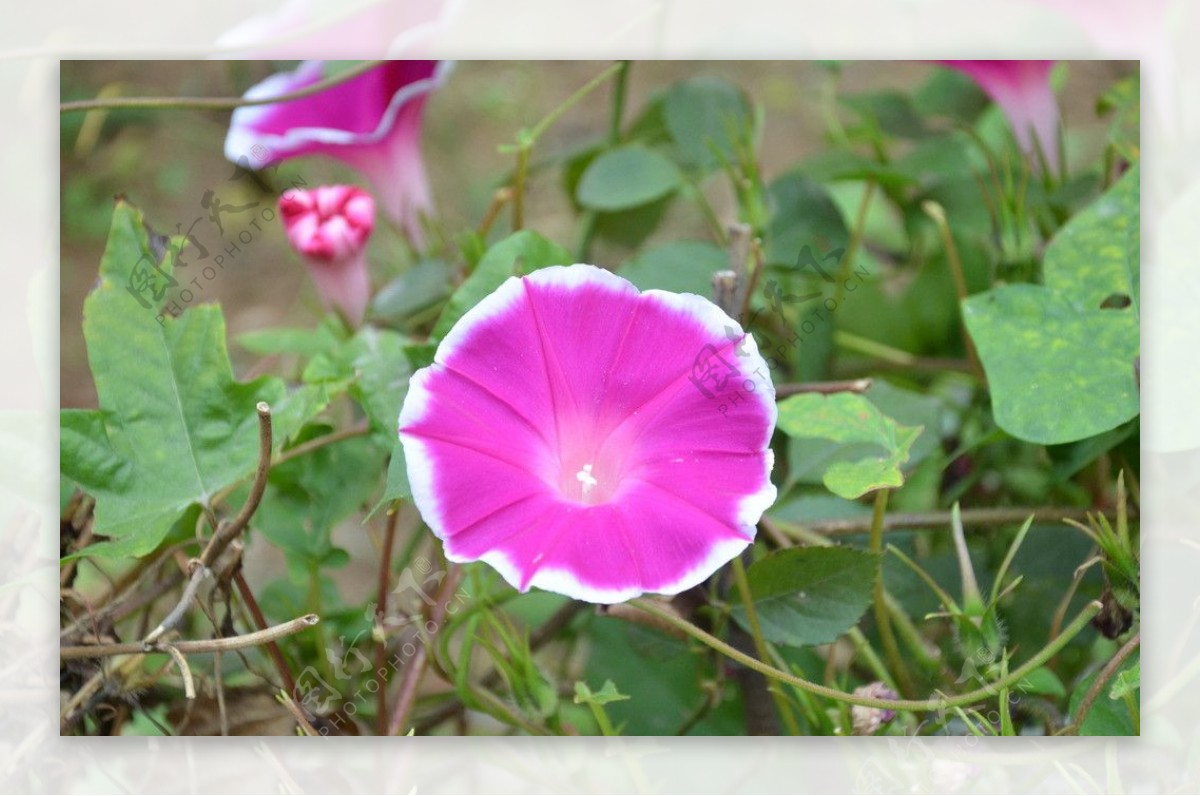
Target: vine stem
x,y
760,644
214,103
823,387
527,138
1102,680
855,242
882,619
937,519
940,703
381,609
350,432
589,217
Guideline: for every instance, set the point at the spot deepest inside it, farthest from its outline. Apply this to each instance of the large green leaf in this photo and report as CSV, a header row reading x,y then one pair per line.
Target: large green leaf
x,y
306,342
684,266
809,595
1057,373
87,456
1060,358
659,674
172,413
412,291
705,118
876,446
381,371
1096,256
626,177
802,214
517,254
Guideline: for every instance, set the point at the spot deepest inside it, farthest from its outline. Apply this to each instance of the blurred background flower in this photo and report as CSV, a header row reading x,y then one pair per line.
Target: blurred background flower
x,y
1022,90
372,122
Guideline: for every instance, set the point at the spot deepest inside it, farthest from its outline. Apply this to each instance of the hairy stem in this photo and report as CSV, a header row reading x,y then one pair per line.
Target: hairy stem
x,y
937,703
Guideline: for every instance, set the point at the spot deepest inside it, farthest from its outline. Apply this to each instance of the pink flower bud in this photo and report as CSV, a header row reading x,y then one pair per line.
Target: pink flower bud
x,y
329,227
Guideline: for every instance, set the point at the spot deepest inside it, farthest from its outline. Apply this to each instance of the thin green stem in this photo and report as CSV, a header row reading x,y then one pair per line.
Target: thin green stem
x,y
908,633
694,192
620,87
518,195
882,618
214,103
589,217
570,102
314,607
864,650
873,348
930,520
760,644
936,212
942,595
602,720
938,703
527,138
852,247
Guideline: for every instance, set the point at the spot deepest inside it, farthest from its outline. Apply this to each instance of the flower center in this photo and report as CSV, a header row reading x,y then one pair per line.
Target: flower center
x,y
589,467
584,476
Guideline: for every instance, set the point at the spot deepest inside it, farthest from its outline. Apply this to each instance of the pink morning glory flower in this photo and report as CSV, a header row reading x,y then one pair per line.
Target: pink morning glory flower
x,y
1022,90
371,122
587,439
329,227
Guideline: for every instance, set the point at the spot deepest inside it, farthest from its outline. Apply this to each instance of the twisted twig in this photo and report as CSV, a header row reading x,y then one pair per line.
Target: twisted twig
x,y
226,531
192,647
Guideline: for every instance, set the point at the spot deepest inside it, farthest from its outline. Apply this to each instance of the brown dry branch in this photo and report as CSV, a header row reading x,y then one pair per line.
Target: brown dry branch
x,y
192,647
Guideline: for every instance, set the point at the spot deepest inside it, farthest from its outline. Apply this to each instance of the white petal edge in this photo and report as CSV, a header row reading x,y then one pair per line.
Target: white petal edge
x,y
417,459
563,581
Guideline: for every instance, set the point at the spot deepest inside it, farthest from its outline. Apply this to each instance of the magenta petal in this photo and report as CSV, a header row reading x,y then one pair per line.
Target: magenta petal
x,y
559,436
371,122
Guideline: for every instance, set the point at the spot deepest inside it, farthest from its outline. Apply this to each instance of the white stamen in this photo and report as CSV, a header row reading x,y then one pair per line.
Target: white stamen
x,y
584,477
